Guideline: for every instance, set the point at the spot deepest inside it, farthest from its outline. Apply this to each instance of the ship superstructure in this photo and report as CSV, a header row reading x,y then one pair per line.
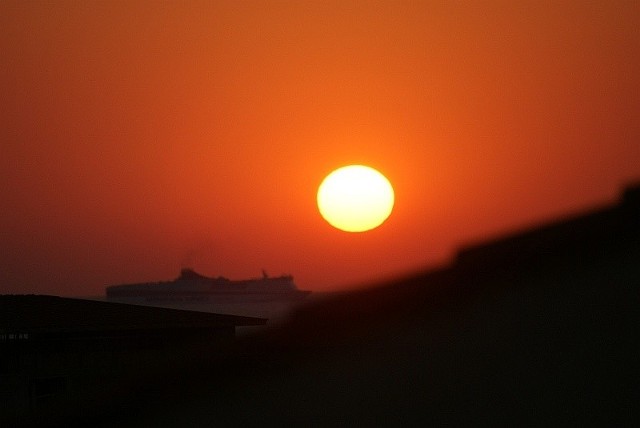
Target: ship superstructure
x,y
191,285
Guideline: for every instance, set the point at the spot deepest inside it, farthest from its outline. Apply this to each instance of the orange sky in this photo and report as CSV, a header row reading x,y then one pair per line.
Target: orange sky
x,y
138,137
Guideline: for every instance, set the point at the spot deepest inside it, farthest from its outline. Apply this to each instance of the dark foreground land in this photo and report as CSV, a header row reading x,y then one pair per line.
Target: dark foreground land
x,y
536,329
540,328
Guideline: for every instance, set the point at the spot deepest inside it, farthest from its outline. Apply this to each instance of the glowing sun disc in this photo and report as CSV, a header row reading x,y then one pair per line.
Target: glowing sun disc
x,y
355,198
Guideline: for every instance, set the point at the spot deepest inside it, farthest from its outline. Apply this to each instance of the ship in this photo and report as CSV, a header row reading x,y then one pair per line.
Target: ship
x,y
192,286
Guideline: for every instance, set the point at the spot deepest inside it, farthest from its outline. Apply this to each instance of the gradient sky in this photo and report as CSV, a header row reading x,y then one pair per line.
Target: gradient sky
x,y
139,137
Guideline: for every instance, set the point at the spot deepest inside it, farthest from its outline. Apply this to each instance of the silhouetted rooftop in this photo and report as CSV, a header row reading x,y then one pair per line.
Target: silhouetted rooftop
x,y
50,313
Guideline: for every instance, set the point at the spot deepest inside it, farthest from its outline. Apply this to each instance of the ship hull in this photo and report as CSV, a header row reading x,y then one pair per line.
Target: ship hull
x,y
214,297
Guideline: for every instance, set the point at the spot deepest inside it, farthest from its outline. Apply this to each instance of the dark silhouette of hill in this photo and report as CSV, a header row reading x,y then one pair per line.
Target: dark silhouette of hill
x,y
537,328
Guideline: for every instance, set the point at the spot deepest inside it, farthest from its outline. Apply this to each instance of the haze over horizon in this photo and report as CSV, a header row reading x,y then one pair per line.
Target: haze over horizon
x,y
141,137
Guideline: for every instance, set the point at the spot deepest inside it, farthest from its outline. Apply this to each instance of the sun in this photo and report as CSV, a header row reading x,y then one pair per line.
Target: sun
x,y
355,198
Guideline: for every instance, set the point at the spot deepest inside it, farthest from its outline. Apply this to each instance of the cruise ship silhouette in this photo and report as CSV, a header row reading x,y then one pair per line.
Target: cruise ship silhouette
x,y
192,286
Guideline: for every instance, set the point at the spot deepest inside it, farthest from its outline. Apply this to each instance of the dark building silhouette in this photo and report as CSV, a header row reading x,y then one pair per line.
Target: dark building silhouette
x,y
60,357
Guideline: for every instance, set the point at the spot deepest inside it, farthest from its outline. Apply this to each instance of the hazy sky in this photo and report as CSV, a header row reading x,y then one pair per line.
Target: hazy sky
x,y
138,137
